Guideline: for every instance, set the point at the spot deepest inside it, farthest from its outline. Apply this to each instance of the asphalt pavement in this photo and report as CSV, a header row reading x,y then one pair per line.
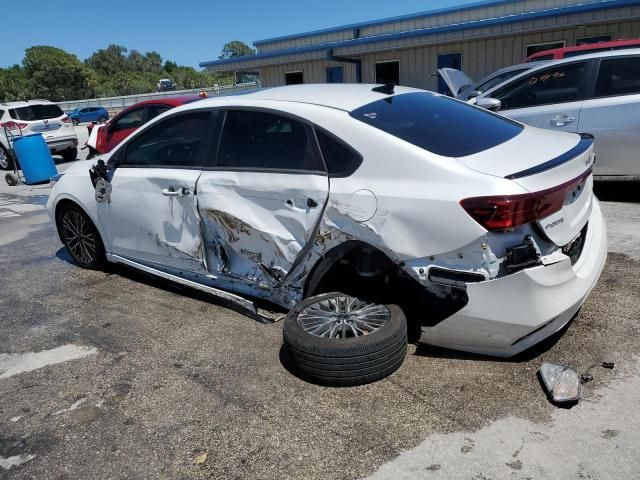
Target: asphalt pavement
x,y
110,374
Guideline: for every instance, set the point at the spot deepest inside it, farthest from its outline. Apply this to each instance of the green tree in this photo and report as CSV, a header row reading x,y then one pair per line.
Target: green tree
x,y
236,48
56,75
108,61
14,84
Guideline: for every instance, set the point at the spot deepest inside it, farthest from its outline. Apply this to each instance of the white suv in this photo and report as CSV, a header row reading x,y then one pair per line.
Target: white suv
x,y
37,116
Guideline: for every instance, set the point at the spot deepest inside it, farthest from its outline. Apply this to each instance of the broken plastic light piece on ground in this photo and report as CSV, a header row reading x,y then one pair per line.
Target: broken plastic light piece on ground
x,y
561,382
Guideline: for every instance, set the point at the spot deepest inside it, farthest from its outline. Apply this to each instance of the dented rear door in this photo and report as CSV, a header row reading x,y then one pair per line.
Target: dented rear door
x,y
262,197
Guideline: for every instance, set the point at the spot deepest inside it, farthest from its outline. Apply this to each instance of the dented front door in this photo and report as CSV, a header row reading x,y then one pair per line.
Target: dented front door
x,y
151,217
261,202
150,213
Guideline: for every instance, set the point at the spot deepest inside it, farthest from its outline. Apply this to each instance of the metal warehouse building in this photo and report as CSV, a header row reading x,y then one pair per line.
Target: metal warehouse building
x,y
479,38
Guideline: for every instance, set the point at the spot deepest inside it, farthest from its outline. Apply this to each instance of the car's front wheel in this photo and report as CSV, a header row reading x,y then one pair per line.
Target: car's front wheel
x,y
337,340
80,236
75,122
102,119
69,154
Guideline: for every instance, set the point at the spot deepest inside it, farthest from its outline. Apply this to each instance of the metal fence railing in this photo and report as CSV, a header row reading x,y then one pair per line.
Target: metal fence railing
x,y
115,104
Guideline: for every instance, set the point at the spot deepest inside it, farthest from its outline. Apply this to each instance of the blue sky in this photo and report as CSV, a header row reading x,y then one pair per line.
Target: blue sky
x,y
186,31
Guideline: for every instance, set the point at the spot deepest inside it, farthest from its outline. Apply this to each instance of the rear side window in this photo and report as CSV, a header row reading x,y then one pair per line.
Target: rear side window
x,y
154,110
618,76
174,142
563,83
265,141
438,124
36,112
132,119
340,160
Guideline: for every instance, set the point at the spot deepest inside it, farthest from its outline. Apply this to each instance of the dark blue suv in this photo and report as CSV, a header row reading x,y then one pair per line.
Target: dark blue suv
x,y
88,114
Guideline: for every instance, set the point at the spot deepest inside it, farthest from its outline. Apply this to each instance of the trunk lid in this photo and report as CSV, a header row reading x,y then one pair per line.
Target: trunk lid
x,y
555,165
455,79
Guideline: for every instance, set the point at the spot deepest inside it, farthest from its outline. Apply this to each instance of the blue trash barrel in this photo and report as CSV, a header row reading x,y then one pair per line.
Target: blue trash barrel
x,y
34,158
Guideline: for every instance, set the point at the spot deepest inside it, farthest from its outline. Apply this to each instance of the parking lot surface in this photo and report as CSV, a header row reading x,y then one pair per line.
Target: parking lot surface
x,y
110,374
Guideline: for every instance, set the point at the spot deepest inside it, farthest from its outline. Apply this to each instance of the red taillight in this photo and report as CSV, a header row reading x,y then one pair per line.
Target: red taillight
x,y
510,211
14,125
66,119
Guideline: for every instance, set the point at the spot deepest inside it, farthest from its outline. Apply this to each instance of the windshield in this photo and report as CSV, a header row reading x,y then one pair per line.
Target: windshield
x,y
36,112
438,124
493,81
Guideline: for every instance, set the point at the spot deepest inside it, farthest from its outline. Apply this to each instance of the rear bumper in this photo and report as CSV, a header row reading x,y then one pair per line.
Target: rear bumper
x,y
60,144
507,315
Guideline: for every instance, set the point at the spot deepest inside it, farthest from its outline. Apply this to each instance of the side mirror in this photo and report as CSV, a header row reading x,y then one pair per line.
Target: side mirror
x,y
489,103
473,94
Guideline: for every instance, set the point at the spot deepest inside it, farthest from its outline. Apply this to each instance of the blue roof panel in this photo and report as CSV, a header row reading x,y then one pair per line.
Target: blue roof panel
x,y
487,22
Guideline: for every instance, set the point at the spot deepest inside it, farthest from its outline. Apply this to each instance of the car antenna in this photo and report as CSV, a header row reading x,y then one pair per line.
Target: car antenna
x,y
387,89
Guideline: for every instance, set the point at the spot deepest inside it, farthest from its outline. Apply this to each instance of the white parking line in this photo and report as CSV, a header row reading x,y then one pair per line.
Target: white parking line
x,y
15,363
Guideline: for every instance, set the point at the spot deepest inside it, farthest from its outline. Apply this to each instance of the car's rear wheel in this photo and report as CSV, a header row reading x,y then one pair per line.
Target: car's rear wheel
x,y
6,161
337,340
80,236
102,119
69,154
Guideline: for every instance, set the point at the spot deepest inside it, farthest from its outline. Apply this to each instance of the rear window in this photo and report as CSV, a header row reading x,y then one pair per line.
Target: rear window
x,y
438,124
36,112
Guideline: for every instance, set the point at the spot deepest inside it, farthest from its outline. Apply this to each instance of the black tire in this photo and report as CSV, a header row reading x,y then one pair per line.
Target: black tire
x,y
341,362
69,154
87,257
75,122
6,159
102,119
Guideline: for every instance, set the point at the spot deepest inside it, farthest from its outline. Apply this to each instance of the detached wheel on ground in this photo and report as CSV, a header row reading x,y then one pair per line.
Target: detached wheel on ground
x,y
334,339
80,236
69,154
6,160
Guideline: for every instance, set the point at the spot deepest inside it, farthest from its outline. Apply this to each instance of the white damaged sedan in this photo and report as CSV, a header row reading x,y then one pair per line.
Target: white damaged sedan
x,y
374,215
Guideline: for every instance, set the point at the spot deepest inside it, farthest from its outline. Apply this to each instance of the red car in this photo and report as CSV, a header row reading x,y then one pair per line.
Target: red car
x,y
128,121
557,53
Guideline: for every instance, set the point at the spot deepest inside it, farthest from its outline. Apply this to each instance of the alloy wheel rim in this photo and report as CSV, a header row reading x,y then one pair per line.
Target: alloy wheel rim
x,y
4,159
79,237
343,317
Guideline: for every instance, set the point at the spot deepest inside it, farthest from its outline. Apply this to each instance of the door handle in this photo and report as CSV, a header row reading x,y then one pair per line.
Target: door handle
x,y
561,120
173,192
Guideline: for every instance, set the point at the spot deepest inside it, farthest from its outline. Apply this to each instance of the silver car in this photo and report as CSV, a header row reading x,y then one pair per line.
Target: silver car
x,y
598,93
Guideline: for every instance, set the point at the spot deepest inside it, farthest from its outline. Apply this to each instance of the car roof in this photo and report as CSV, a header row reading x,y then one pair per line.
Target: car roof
x,y
25,103
608,53
587,47
341,96
173,101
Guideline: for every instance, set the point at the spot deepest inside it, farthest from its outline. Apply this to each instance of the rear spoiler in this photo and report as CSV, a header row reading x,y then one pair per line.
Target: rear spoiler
x,y
586,140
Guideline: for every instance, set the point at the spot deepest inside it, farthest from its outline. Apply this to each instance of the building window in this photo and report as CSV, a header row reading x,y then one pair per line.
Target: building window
x,y
594,39
388,72
293,78
334,75
541,47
